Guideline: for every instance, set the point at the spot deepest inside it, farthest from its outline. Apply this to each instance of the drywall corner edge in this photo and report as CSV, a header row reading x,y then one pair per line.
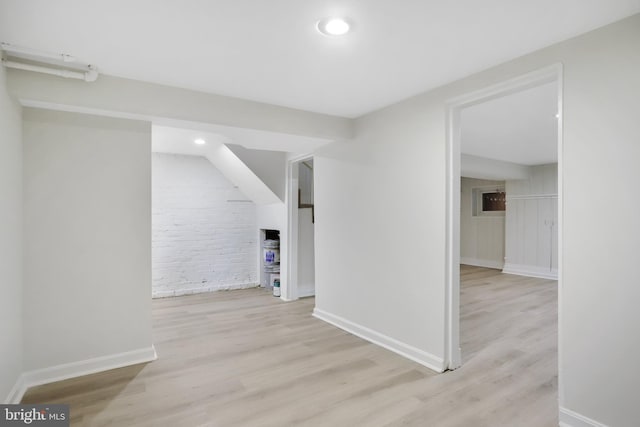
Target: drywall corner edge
x,y
16,393
412,353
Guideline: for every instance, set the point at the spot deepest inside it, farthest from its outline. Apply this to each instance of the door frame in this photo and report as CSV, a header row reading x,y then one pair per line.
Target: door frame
x,y
552,73
291,291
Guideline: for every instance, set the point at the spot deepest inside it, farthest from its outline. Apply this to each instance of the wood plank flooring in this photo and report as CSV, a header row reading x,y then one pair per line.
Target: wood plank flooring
x,y
244,358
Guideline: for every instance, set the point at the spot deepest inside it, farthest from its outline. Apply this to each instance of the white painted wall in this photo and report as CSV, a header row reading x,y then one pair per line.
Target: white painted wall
x,y
87,213
306,239
269,166
381,202
482,238
305,181
531,246
204,229
11,240
600,292
542,180
306,254
273,216
380,230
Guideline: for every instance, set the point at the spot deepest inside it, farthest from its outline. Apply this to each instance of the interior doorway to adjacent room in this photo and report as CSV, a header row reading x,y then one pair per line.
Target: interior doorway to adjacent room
x,y
504,209
301,221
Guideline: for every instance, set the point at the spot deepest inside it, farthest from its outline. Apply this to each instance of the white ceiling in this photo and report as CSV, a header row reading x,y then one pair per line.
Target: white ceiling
x,y
167,139
519,128
269,51
180,141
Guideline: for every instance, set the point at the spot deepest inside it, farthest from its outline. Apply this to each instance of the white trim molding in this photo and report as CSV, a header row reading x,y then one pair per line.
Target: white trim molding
x,y
16,393
487,263
530,271
420,356
568,418
78,369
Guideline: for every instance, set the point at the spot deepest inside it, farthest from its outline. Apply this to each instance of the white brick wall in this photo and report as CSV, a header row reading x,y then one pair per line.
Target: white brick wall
x,y
201,242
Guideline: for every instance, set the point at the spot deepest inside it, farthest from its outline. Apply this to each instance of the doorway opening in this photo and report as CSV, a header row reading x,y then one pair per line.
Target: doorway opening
x,y
498,183
204,224
301,228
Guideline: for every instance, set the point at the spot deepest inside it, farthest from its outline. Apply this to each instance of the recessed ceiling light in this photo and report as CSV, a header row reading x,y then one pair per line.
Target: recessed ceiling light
x,y
333,26
200,141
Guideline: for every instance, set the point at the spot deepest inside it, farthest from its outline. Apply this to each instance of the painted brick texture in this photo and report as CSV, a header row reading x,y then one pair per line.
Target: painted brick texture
x,y
203,238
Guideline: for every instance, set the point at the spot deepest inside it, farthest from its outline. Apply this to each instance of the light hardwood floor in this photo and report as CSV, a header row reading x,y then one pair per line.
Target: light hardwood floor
x,y
244,358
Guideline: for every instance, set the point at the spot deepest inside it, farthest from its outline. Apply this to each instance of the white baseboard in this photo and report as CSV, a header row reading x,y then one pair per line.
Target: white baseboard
x,y
422,357
190,291
77,369
530,271
482,262
568,418
16,393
